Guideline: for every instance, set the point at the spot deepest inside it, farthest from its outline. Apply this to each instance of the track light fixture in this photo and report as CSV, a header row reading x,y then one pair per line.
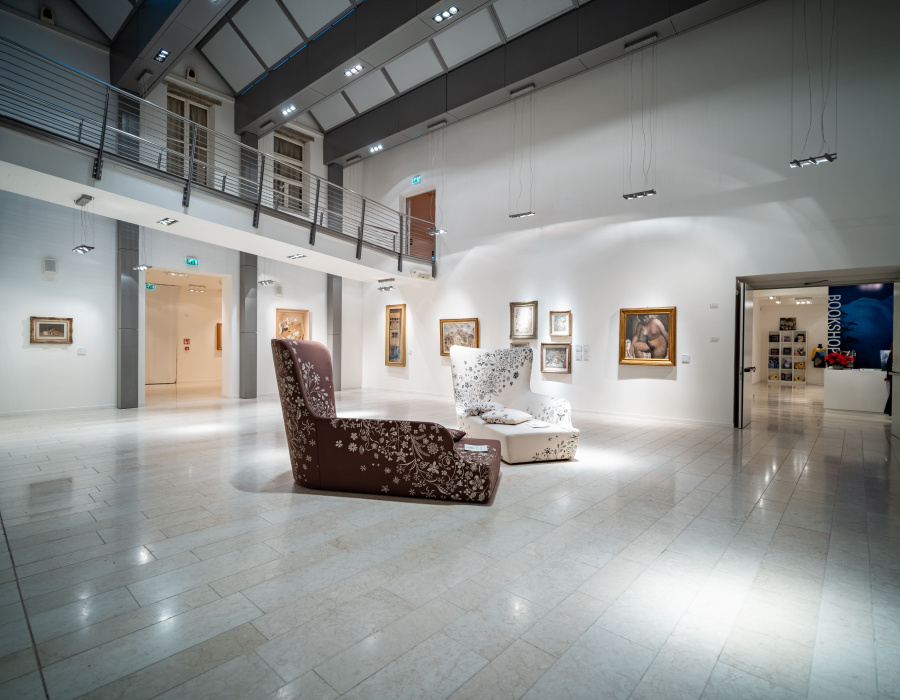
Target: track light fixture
x,y
353,70
816,160
82,249
445,14
386,288
386,279
167,221
296,256
638,195
161,56
266,283
521,215
199,288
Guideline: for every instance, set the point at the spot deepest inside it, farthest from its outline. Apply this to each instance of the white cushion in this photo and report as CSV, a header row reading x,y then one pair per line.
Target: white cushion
x,y
479,407
506,416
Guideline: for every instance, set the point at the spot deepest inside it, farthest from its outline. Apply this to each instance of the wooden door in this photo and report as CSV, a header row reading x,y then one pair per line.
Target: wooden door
x,y
421,208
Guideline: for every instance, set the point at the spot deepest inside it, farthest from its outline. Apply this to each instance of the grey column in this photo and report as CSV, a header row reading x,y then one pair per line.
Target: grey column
x,y
127,251
247,381
334,309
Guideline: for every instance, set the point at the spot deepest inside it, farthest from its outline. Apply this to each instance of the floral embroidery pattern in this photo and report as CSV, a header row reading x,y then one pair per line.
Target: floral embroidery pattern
x,y
503,376
298,422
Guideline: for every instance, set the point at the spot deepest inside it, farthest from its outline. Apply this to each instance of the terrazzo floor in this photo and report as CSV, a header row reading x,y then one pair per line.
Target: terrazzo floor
x,y
165,552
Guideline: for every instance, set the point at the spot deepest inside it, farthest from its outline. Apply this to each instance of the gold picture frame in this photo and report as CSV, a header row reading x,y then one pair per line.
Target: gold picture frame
x,y
395,335
51,330
523,320
292,324
458,331
556,358
647,336
560,324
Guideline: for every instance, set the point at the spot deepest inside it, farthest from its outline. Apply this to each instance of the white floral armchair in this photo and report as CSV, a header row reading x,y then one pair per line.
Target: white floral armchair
x,y
503,377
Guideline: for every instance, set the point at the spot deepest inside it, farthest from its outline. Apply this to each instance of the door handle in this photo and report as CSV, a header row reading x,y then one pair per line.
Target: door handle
x,y
749,369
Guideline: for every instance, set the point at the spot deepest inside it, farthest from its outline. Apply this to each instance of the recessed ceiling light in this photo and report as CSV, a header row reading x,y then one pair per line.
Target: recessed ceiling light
x,y
287,110
167,221
375,149
296,256
353,70
445,14
161,56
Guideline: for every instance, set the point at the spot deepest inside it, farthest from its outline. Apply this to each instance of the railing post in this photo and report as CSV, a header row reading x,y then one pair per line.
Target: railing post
x,y
262,172
362,224
312,229
400,246
98,161
186,198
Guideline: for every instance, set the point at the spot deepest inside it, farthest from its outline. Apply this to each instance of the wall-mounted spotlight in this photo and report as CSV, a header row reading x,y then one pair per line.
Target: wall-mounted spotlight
x,y
288,110
639,195
296,256
375,149
521,215
437,232
199,288
815,160
167,221
353,70
82,249
445,14
161,56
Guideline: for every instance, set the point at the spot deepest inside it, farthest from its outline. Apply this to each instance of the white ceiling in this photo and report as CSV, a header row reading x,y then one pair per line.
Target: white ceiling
x,y
470,37
265,26
414,68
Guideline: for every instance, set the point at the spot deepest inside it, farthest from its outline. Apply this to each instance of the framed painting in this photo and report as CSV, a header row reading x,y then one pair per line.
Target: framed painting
x,y
556,358
218,336
560,323
395,335
523,319
292,324
51,329
458,331
647,336
788,324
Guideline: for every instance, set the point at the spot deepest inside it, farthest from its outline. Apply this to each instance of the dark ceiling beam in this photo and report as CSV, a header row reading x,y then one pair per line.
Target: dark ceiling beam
x,y
366,25
173,25
582,30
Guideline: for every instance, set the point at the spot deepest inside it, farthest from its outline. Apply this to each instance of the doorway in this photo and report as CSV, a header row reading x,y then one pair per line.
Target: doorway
x,y
782,337
421,210
183,338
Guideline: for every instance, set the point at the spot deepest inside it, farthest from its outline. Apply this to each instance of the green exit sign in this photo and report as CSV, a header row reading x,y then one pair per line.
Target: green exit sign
x,y
149,286
192,261
417,179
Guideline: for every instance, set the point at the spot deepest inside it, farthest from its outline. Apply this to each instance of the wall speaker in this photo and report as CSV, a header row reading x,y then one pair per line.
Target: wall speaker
x,y
47,15
191,75
48,268
279,290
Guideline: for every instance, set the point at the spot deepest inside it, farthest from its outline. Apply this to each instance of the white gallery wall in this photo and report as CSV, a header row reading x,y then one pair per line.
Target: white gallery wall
x,y
728,206
39,376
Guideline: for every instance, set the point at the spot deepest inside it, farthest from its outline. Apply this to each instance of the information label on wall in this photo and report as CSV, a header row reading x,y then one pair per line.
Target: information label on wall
x,y
192,261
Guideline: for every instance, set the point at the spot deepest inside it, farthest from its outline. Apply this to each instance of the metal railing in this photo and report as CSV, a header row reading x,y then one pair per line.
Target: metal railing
x,y
54,98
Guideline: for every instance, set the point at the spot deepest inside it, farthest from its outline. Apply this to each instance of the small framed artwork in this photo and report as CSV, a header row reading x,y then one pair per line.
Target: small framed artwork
x,y
560,323
292,324
458,331
647,336
51,329
395,335
786,339
788,324
523,319
218,336
774,338
556,358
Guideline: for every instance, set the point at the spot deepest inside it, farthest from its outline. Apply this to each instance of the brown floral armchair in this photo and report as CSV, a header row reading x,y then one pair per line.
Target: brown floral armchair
x,y
399,458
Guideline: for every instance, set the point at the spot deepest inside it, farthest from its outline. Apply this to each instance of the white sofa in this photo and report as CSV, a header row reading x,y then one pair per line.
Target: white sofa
x,y
504,377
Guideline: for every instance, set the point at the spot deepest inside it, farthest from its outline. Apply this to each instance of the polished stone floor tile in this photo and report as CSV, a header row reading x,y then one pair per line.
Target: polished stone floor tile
x,y
165,552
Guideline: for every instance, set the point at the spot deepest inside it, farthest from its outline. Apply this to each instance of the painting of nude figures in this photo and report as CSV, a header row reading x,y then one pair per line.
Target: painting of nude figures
x,y
647,336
